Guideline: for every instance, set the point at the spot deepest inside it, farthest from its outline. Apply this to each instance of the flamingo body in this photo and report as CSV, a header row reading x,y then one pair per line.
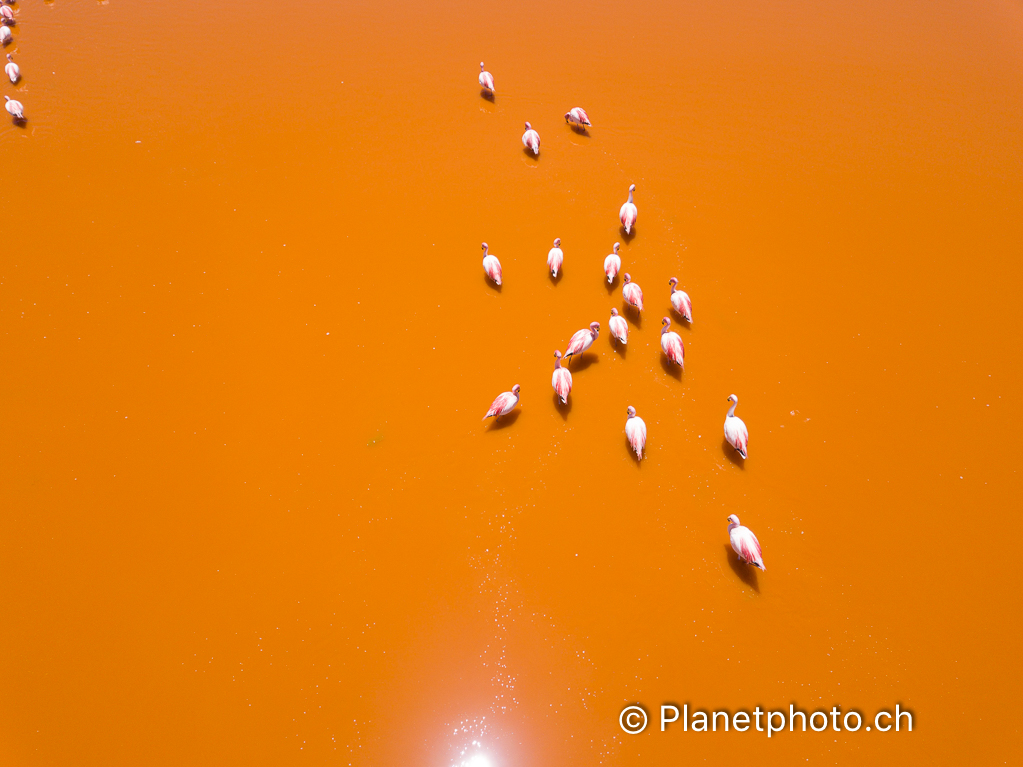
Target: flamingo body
x,y
582,340
619,327
5,34
555,257
577,116
632,293
486,79
16,108
627,215
671,345
561,380
735,430
680,301
491,265
635,432
531,140
13,70
504,403
744,543
612,265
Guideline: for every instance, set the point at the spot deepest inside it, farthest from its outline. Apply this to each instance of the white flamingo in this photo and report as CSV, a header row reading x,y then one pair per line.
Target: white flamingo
x,y
16,108
744,543
531,140
619,327
735,429
486,80
562,379
5,34
612,264
671,344
491,265
680,301
635,432
13,70
629,212
555,257
504,403
577,117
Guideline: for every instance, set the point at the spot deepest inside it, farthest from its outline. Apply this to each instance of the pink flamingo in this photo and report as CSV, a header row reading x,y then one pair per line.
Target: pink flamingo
x,y
562,379
13,70
612,264
531,140
632,293
555,257
744,543
16,108
735,430
680,301
7,13
491,265
671,344
582,340
5,35
629,212
486,80
635,432
619,327
577,117
504,403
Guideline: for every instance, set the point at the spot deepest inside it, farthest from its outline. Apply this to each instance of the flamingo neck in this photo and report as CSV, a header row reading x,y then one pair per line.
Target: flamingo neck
x,y
557,363
630,197
731,411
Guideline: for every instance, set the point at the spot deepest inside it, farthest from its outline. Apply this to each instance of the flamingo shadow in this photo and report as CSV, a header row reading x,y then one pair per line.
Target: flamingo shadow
x,y
620,348
611,285
633,314
583,361
732,454
556,280
491,284
747,573
487,95
504,421
529,153
562,407
627,236
671,368
580,129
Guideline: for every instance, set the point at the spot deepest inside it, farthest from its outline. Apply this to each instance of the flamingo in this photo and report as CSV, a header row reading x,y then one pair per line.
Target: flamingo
x,y
628,212
491,265
531,140
486,80
635,432
632,293
735,430
680,301
744,543
612,264
16,108
562,379
582,340
577,117
13,70
671,344
7,13
555,257
5,34
504,403
619,327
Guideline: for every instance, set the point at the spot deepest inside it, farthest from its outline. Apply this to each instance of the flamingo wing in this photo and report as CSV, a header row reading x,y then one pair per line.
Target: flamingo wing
x,y
619,329
562,383
504,402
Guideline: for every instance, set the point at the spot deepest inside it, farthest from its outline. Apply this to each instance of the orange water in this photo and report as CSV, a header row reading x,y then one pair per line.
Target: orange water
x,y
250,512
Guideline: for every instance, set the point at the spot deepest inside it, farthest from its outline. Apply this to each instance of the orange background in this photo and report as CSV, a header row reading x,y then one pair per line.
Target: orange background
x,y
249,512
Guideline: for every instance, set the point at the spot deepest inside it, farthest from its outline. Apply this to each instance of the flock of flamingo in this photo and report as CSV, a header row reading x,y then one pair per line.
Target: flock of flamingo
x,y
744,542
12,70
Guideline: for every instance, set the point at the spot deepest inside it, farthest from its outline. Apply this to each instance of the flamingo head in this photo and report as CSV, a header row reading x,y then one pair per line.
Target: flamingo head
x,y
557,242
617,245
594,328
732,519
632,188
9,57
673,282
614,312
528,126
666,321
481,66
627,278
568,115
557,354
631,411
485,246
733,398
515,389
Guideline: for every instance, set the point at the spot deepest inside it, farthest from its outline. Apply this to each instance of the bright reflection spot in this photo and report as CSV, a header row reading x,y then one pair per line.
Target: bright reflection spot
x,y
477,760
